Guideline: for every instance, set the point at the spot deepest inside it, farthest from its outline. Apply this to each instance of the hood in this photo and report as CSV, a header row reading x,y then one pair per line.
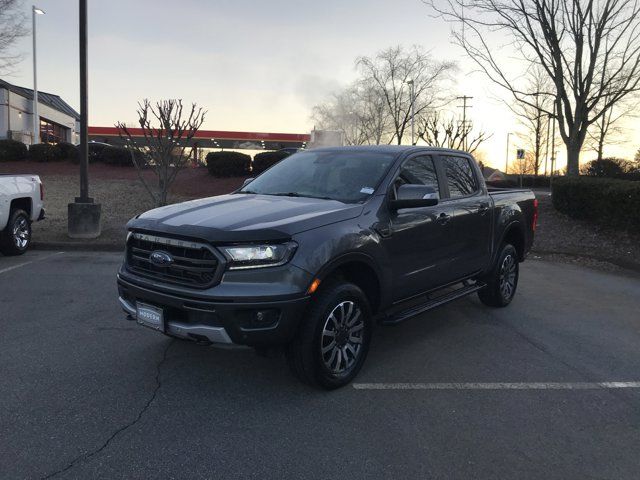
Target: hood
x,y
244,217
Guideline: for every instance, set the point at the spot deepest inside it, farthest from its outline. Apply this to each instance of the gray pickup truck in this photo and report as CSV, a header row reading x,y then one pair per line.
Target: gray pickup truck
x,y
315,251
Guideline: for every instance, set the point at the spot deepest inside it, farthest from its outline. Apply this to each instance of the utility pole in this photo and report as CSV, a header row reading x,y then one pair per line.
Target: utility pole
x,y
413,110
464,107
553,144
84,214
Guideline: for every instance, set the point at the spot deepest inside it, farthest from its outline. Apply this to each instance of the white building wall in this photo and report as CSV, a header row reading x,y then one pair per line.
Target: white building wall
x,y
16,115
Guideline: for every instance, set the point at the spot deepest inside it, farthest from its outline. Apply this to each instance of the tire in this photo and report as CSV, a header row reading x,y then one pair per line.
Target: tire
x,y
16,237
502,281
333,340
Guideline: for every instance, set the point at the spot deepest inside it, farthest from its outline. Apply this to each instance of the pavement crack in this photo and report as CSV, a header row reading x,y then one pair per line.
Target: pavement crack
x,y
105,444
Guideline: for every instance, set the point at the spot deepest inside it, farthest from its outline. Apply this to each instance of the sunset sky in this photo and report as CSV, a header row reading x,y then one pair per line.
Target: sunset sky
x,y
254,65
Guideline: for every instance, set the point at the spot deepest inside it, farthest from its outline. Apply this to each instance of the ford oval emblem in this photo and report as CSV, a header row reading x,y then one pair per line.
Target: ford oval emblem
x,y
160,258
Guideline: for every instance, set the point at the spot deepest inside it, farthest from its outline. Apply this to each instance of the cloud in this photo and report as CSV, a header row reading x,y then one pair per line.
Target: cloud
x,y
313,89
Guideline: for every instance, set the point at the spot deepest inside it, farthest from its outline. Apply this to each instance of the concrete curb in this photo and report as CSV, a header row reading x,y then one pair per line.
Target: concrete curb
x,y
619,262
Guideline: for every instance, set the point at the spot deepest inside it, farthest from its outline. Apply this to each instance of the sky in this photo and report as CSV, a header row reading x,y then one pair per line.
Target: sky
x,y
253,65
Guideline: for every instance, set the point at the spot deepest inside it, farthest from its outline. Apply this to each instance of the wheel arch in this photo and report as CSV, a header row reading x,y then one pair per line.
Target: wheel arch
x,y
24,203
359,269
514,234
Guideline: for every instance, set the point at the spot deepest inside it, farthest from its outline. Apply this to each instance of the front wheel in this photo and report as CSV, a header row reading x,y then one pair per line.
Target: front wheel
x,y
16,237
333,339
502,281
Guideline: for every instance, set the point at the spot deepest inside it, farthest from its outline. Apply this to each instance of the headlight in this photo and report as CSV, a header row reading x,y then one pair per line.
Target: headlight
x,y
258,256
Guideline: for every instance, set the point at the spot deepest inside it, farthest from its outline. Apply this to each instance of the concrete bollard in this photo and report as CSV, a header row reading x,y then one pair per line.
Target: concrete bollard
x,y
84,220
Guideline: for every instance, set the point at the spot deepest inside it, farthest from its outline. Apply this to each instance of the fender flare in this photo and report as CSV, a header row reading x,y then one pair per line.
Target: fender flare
x,y
349,257
515,224
361,257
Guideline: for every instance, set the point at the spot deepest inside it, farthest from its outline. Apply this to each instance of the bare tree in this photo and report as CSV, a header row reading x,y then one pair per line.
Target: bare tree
x,y
607,129
389,72
375,118
166,134
589,49
450,132
12,27
523,166
533,116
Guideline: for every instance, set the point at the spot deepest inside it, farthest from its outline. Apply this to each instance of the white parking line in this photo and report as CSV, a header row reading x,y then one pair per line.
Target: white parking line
x,y
8,269
496,386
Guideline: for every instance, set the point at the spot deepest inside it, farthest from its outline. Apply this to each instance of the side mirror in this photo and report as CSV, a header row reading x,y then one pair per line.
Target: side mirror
x,y
414,196
247,182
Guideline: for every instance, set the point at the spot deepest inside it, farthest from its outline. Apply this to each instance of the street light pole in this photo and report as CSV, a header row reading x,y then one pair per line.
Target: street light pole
x,y
84,214
36,118
413,105
84,148
546,153
506,162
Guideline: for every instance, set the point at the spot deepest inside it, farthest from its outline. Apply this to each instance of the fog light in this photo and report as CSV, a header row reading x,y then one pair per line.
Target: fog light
x,y
258,319
265,318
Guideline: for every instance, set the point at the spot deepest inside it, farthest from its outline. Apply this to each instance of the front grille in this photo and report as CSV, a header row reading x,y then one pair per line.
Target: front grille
x,y
194,264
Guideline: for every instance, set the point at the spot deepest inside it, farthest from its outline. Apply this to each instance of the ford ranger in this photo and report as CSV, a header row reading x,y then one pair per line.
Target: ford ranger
x,y
318,249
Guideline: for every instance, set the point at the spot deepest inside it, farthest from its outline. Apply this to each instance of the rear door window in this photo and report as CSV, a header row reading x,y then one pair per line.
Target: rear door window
x,y
461,178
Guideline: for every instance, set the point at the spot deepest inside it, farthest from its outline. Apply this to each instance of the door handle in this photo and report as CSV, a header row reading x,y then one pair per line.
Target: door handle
x,y
484,208
443,218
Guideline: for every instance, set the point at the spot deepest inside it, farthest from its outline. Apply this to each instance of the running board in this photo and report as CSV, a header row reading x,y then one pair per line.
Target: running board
x,y
432,303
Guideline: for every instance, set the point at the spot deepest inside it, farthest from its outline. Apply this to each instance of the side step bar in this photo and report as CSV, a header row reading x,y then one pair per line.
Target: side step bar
x,y
432,303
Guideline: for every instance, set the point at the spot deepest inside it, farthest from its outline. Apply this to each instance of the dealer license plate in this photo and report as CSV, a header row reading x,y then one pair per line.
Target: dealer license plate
x,y
150,316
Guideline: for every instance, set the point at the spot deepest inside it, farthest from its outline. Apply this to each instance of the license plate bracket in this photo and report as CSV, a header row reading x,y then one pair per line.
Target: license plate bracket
x,y
150,316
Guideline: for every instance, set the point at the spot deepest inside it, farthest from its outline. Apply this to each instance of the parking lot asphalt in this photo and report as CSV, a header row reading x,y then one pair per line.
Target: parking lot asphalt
x,y
464,391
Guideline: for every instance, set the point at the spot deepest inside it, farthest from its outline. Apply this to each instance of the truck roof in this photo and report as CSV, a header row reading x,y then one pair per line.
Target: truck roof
x,y
397,149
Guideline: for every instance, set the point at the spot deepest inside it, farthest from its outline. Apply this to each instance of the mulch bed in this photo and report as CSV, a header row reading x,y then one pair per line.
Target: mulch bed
x,y
193,182
591,244
117,189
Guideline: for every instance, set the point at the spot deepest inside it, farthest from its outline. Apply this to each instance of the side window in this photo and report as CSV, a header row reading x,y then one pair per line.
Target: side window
x,y
461,177
419,171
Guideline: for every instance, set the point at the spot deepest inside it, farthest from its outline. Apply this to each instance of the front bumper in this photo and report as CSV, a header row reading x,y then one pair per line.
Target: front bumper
x,y
227,322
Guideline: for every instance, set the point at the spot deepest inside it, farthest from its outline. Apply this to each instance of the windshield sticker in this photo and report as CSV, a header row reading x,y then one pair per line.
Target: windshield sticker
x,y
367,190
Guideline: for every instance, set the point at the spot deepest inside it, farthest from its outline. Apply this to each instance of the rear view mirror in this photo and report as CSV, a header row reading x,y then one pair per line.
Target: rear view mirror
x,y
414,196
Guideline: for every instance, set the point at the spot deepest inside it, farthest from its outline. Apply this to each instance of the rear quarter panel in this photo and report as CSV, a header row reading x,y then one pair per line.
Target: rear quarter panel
x,y
513,208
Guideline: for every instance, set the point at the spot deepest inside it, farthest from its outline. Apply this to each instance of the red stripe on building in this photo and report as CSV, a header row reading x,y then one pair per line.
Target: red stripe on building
x,y
214,134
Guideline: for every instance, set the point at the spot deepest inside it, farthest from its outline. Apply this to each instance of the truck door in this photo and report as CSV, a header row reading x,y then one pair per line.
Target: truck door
x,y
472,213
418,243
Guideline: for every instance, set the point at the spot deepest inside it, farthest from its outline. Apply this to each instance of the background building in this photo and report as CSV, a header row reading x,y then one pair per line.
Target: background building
x,y
58,121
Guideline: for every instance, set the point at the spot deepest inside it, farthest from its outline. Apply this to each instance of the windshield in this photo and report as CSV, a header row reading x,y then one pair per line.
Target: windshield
x,y
346,176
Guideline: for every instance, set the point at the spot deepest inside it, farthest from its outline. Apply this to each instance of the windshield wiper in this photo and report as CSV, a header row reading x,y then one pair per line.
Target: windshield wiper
x,y
286,194
247,191
296,194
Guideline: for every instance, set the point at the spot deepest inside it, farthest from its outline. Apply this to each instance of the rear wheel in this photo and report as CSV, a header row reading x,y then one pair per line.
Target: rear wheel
x,y
333,340
16,237
502,281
